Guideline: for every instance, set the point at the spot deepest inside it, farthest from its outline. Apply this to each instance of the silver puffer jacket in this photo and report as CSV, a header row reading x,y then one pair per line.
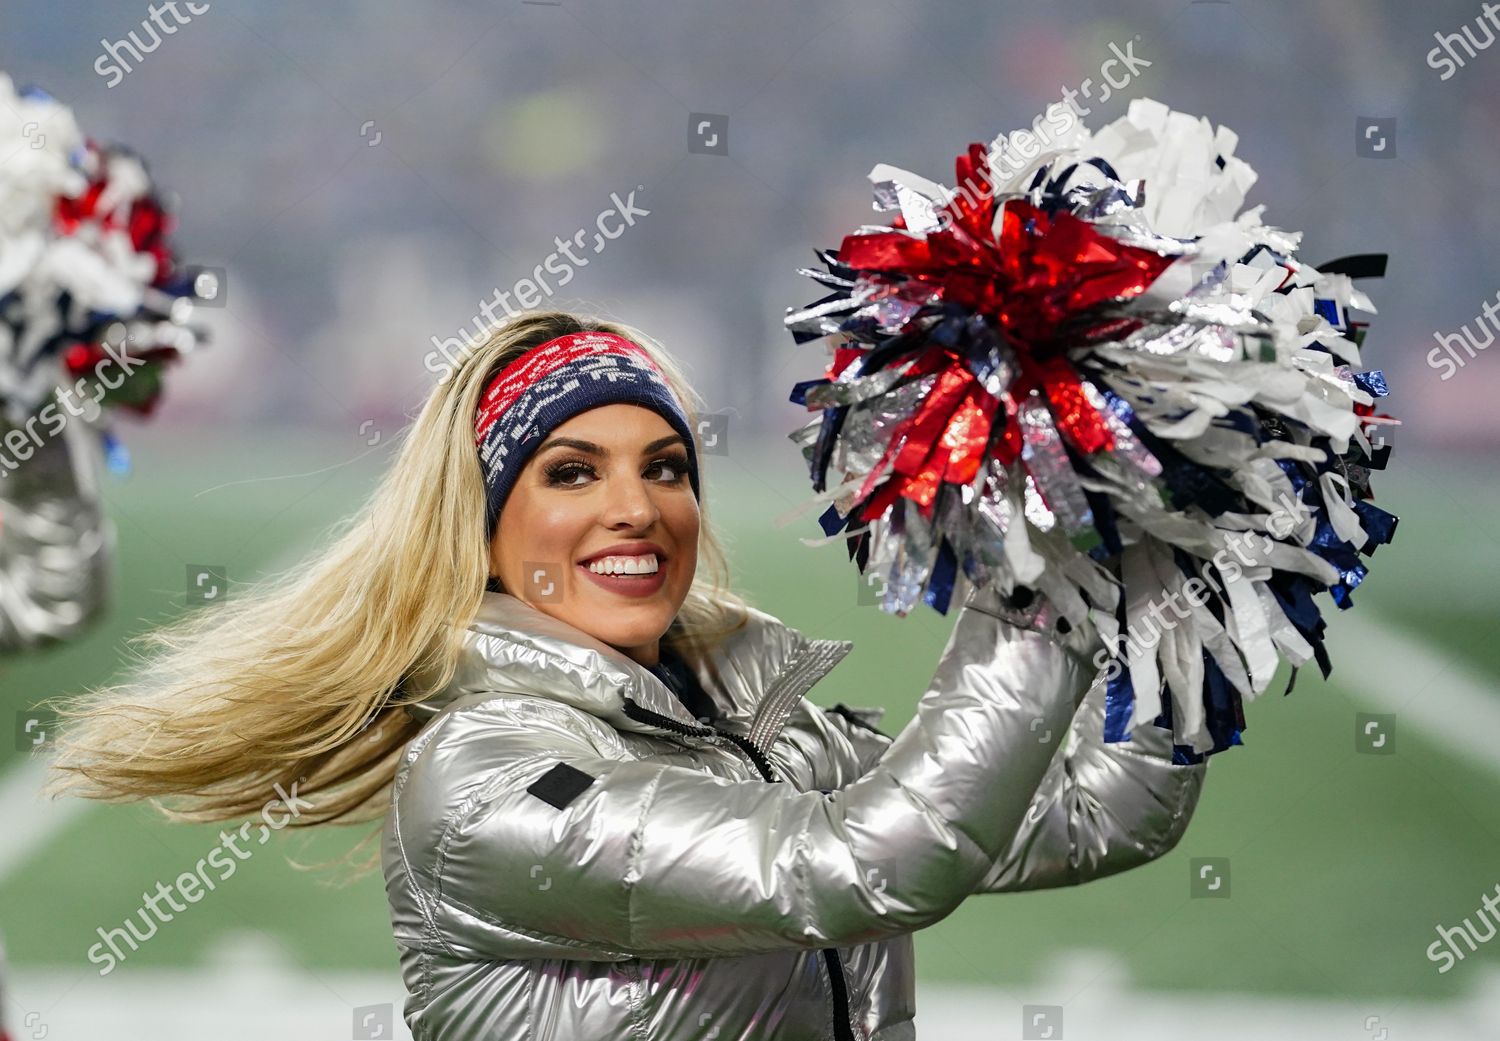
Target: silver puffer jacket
x,y
571,856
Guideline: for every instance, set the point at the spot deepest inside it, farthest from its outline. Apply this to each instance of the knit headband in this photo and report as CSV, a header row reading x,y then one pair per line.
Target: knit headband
x,y
551,384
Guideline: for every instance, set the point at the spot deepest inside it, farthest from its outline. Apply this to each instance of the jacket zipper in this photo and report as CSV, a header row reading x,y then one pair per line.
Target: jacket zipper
x,y
838,985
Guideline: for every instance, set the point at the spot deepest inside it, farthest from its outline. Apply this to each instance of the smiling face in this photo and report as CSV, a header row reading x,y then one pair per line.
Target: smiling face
x,y
603,495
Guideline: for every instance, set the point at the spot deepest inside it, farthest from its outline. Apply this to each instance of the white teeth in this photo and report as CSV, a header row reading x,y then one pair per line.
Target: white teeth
x,y
642,565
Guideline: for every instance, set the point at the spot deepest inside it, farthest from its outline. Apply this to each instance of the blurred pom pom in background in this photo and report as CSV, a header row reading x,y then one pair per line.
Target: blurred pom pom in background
x,y
93,308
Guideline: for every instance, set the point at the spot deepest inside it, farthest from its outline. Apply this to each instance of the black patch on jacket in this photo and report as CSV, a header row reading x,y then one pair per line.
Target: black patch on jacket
x,y
560,785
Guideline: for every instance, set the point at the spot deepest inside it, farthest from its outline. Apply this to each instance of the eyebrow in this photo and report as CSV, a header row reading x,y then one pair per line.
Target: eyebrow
x,y
593,449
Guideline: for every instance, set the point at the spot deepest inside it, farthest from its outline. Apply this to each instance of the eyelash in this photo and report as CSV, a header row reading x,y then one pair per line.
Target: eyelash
x,y
558,472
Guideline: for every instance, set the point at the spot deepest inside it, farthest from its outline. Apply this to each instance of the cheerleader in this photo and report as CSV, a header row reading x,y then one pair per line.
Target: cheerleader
x,y
611,803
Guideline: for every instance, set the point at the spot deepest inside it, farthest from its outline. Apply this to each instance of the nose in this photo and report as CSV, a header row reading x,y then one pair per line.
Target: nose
x,y
628,503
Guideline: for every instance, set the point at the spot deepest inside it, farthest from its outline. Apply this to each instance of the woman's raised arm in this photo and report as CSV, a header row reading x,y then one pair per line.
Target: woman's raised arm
x,y
514,828
1101,808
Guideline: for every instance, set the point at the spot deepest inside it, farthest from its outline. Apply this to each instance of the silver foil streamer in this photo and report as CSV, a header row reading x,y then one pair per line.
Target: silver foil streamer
x,y
1047,462
1127,445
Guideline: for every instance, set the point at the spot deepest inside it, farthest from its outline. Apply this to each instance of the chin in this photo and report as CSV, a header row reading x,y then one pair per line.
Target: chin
x,y
622,623
643,627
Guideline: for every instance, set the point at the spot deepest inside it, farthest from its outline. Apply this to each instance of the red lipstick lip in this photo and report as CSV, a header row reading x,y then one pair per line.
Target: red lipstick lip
x,y
627,585
627,549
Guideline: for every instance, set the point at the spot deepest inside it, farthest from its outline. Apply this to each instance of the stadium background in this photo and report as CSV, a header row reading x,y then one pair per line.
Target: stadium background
x,y
366,174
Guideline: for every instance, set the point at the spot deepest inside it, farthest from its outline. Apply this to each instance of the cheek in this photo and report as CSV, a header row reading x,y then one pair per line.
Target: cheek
x,y
541,532
684,524
558,530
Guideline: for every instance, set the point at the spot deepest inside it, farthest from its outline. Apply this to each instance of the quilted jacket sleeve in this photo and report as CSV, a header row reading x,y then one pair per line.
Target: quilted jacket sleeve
x,y
511,820
1101,808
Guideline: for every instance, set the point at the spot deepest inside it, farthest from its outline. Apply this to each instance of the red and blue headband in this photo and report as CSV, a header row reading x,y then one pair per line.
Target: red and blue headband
x,y
551,384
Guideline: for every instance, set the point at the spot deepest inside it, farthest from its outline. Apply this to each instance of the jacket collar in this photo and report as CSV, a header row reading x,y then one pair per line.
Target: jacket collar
x,y
757,675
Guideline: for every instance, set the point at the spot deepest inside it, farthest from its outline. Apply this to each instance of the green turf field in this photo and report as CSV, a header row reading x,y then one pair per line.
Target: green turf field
x,y
1342,864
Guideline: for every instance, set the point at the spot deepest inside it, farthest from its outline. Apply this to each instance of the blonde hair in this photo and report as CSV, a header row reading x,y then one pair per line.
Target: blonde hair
x,y
304,677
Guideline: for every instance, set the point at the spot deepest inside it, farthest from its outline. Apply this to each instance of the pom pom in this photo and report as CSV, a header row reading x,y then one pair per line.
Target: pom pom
x,y
93,308
1095,379
90,289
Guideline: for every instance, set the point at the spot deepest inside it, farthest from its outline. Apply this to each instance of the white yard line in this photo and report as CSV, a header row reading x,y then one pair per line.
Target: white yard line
x,y
228,1000
1431,690
31,821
